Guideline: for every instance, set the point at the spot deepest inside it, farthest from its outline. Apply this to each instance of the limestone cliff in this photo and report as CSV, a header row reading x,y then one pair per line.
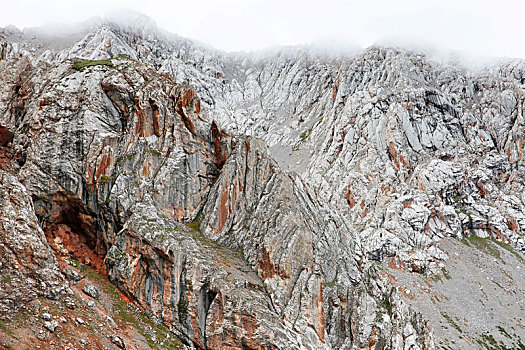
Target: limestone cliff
x,y
258,201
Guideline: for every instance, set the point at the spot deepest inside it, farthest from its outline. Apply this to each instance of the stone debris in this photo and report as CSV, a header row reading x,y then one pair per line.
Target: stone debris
x,y
72,275
111,322
41,335
91,290
70,303
118,341
51,325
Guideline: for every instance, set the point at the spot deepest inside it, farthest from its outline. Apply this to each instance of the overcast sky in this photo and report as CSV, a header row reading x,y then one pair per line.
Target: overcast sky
x,y
482,27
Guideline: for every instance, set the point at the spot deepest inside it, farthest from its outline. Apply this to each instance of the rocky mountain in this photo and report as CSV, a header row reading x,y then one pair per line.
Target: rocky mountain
x,y
289,199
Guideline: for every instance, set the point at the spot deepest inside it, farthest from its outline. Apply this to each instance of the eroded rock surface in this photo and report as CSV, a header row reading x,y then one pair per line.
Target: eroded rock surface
x,y
27,264
149,162
200,227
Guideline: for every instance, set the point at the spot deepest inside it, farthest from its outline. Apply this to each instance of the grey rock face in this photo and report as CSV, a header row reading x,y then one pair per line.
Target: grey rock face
x,y
128,169
27,264
147,163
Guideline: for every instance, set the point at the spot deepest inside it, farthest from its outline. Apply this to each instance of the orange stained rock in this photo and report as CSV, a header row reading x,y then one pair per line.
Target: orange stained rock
x,y
512,224
105,162
266,268
320,321
224,210
373,339
350,197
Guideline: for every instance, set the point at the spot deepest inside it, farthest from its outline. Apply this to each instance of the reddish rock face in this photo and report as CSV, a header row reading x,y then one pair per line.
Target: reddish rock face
x,y
66,242
5,136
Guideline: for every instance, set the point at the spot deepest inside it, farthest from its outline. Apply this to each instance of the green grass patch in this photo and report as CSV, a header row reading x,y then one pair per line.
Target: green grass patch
x,y
446,274
123,57
485,245
195,225
83,64
508,248
304,135
451,321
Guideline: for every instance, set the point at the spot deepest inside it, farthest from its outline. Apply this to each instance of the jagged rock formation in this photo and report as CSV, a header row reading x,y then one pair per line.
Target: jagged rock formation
x,y
27,264
150,157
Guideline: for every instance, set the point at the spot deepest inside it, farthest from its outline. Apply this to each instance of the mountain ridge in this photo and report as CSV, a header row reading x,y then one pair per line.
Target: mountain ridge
x,y
392,146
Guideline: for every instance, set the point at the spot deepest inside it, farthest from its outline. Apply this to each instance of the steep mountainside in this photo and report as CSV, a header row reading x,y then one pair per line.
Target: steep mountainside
x,y
294,199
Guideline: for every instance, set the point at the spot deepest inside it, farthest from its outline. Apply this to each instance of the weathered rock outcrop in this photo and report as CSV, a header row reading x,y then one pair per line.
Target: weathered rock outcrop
x,y
27,265
138,161
199,227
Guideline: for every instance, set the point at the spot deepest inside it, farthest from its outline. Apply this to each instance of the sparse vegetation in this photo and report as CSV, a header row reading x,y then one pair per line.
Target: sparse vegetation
x,y
5,329
436,278
504,332
182,308
446,274
195,225
305,134
105,179
451,321
128,314
7,279
379,316
161,332
461,206
153,152
483,244
386,305
488,342
508,248
83,64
